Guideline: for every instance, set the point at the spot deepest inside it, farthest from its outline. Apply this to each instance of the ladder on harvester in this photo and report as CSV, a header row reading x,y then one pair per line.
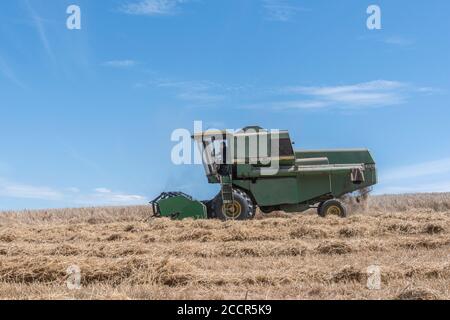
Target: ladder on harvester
x,y
227,189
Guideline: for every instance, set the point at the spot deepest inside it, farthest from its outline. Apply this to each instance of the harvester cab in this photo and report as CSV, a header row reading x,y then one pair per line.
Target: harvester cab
x,y
214,150
259,168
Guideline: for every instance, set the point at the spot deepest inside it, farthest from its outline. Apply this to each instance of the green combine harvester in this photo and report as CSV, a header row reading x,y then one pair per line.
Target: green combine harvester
x,y
259,168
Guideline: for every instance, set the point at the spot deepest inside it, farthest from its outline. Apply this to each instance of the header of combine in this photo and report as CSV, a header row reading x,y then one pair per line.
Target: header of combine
x,y
259,168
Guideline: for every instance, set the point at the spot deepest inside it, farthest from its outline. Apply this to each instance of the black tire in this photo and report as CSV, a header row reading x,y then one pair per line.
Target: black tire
x,y
269,209
332,207
320,207
208,205
241,209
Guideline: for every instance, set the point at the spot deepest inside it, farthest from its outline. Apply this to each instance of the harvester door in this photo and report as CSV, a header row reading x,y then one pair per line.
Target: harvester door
x,y
207,157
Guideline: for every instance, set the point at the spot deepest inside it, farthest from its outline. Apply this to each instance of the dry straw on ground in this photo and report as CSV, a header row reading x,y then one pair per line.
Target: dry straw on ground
x,y
122,255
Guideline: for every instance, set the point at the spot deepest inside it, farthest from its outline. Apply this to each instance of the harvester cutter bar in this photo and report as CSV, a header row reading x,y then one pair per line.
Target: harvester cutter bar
x,y
165,195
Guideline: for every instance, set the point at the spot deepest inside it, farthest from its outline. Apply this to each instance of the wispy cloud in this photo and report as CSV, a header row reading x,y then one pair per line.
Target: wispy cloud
x,y
120,63
9,73
393,40
281,10
371,94
201,92
428,176
153,7
68,196
288,105
200,96
39,25
398,41
379,93
430,90
105,196
102,190
435,167
437,186
196,91
374,93
24,191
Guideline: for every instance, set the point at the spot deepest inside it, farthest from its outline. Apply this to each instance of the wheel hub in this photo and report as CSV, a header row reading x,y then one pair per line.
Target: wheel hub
x,y
232,210
334,210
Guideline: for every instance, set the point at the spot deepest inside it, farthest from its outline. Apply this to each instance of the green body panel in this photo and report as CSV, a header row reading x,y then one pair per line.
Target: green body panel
x,y
338,156
181,207
286,190
267,191
306,182
341,184
313,186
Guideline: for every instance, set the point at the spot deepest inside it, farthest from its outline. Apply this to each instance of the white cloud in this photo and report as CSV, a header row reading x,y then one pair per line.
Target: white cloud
x,y
394,40
200,92
185,85
280,10
104,196
200,97
438,186
430,91
286,105
370,94
68,196
373,93
120,63
152,7
435,167
102,190
348,89
24,191
429,176
38,23
399,41
125,198
9,73
378,93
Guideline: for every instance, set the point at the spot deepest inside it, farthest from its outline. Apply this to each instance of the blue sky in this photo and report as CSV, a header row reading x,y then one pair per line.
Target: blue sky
x,y
86,115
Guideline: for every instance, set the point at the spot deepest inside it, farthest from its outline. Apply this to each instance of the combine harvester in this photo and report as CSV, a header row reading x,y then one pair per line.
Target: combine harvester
x,y
282,179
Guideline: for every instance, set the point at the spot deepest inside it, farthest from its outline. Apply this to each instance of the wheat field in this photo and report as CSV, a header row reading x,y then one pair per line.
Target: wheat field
x,y
122,254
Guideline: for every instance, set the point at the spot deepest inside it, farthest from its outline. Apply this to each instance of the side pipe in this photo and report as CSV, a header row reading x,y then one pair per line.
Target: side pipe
x,y
294,170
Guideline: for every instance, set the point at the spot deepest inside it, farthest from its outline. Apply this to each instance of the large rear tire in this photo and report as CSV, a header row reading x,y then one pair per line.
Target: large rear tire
x,y
242,207
269,209
332,207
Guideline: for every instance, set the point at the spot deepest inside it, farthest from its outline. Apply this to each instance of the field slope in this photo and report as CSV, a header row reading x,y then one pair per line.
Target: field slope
x,y
124,255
